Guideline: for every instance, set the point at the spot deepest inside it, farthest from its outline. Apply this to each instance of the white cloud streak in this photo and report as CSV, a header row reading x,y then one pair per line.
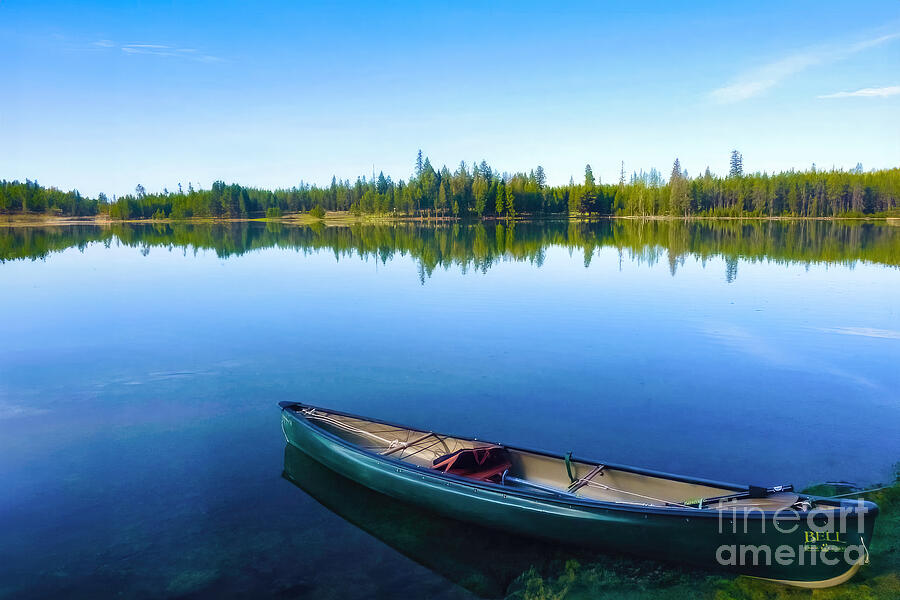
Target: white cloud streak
x,y
882,92
149,46
158,50
887,334
756,81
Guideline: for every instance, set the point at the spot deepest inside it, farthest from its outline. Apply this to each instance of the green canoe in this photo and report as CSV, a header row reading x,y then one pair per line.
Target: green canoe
x,y
772,533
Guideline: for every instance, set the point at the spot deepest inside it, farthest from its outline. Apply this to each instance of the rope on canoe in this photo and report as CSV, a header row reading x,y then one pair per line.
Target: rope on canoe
x,y
350,428
612,489
391,444
437,440
403,445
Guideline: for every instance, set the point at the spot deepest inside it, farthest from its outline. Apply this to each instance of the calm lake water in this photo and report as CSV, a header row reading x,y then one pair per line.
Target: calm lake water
x,y
141,366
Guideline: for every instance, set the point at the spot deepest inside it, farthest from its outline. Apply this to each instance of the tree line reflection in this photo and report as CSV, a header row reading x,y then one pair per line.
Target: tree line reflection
x,y
479,246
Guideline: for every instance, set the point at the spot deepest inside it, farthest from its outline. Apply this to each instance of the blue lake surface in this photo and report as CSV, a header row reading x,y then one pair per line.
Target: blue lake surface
x,y
140,370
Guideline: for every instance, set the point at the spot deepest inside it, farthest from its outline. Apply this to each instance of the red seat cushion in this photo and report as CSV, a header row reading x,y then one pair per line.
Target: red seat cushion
x,y
482,462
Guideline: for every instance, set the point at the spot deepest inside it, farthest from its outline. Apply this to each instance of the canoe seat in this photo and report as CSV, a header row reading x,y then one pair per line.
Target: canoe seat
x,y
484,463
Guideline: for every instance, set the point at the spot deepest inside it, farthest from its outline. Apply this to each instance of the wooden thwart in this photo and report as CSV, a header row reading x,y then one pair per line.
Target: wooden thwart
x,y
580,483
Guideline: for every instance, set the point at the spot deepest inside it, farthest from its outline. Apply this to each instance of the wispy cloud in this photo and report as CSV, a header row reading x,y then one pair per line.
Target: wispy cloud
x,y
758,80
147,46
11,411
163,50
775,354
882,92
887,334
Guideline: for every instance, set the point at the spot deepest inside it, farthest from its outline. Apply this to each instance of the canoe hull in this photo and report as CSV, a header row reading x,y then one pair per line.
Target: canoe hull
x,y
682,536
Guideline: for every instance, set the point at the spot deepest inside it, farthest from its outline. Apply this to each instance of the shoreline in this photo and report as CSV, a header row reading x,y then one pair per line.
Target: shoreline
x,y
345,218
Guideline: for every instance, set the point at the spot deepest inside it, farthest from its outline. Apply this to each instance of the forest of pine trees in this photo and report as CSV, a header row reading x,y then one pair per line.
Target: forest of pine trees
x,y
479,191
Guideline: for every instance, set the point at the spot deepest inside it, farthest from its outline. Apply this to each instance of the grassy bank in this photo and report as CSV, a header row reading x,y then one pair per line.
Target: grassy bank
x,y
336,218
339,218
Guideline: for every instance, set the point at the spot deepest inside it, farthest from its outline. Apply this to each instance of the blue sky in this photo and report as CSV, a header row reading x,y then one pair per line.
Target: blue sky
x,y
100,96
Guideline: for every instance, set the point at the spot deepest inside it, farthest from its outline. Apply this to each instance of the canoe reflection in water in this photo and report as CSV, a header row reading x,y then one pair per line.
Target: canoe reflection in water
x,y
484,562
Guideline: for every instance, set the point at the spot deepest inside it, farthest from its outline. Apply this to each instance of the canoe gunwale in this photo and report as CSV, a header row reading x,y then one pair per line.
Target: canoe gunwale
x,y
562,498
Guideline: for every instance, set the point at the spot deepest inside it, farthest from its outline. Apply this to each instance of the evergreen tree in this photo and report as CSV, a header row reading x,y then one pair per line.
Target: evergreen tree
x,y
486,171
460,188
480,190
679,191
737,164
428,181
676,171
510,203
587,200
540,177
442,199
589,177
